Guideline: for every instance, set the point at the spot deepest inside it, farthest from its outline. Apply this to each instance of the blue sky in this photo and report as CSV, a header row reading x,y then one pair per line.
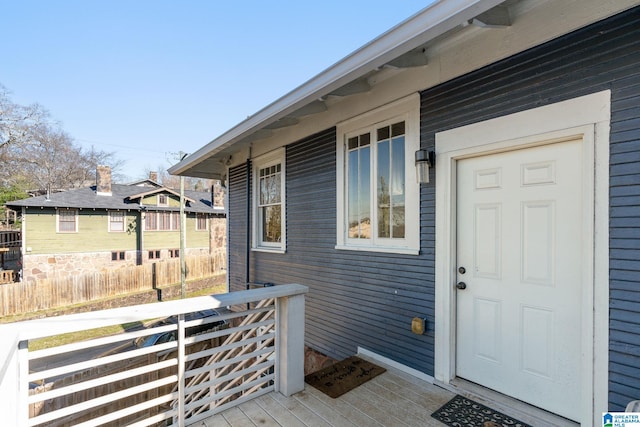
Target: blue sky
x,y
146,79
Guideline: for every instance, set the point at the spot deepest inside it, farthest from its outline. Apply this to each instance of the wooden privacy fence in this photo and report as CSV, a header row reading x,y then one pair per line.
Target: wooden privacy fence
x,y
62,291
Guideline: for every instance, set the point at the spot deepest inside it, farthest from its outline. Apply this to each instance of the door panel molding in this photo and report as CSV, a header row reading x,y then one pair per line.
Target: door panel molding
x,y
533,250
586,117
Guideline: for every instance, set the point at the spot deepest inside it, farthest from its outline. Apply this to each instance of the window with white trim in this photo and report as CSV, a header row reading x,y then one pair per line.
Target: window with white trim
x,y
378,195
163,200
269,202
68,221
162,221
116,221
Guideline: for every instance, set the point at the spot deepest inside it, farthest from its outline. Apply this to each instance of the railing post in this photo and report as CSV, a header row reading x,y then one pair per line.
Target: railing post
x,y
181,370
23,384
9,381
290,344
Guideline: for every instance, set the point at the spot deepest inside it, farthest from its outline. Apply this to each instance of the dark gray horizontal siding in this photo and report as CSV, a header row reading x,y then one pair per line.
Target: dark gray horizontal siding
x,y
603,56
368,299
356,298
624,349
237,228
352,302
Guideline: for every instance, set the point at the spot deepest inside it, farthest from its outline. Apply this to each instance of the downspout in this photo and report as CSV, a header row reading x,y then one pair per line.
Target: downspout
x,y
23,244
183,236
141,225
248,240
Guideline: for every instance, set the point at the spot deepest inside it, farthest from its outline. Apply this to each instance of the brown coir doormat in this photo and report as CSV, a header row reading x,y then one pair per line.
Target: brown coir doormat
x,y
343,376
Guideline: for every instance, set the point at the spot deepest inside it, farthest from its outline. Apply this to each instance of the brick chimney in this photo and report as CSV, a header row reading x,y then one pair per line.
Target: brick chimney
x,y
103,180
153,176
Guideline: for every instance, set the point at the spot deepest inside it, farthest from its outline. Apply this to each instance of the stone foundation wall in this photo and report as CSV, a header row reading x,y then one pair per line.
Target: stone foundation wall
x,y
39,267
314,360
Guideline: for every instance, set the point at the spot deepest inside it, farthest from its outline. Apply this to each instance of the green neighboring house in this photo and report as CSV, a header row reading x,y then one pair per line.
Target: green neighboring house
x,y
109,226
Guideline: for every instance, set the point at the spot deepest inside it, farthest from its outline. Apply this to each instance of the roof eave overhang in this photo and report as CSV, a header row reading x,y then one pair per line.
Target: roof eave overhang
x,y
426,25
155,191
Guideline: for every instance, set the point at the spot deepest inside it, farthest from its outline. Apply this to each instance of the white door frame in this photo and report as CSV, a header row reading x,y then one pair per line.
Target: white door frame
x,y
589,117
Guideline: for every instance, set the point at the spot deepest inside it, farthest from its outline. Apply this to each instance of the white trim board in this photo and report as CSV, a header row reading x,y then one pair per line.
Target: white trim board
x,y
406,109
450,56
587,116
393,364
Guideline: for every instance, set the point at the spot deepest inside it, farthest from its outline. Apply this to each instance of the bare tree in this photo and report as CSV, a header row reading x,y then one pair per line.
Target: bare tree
x,y
54,162
49,159
92,158
36,150
190,183
173,181
17,121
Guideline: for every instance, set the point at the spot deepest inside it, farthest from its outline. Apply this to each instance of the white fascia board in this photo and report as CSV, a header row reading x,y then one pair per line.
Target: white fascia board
x,y
426,25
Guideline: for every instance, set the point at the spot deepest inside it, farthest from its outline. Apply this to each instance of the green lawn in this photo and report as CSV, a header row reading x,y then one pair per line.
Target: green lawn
x,y
71,337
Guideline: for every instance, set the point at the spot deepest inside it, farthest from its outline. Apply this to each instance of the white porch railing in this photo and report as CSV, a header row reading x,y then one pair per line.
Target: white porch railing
x,y
108,380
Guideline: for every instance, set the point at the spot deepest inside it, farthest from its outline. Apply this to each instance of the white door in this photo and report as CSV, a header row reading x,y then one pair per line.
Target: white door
x,y
519,254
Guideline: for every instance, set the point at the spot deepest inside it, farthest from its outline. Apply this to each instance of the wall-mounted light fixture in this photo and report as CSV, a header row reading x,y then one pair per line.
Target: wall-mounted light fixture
x,y
424,160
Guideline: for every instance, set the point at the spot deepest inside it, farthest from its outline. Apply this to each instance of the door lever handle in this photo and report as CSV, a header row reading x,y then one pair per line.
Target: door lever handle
x,y
461,285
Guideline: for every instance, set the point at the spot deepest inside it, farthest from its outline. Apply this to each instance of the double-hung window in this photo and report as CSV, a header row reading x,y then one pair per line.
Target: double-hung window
x,y
151,221
165,221
162,221
116,221
269,202
68,221
378,197
201,222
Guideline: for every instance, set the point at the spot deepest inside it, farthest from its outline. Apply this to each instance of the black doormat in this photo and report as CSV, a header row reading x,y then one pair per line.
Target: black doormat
x,y
463,412
343,376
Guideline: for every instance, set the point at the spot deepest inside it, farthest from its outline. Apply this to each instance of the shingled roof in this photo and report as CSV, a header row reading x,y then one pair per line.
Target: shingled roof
x,y
123,196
